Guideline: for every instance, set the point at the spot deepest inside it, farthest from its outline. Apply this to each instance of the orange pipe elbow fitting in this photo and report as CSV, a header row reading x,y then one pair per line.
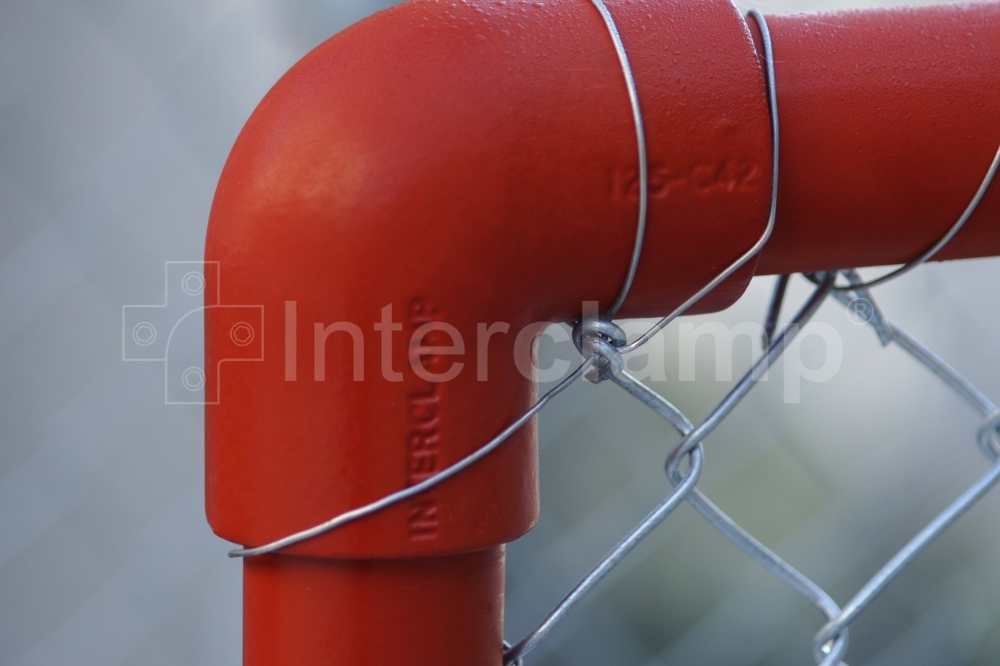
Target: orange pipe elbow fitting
x,y
423,187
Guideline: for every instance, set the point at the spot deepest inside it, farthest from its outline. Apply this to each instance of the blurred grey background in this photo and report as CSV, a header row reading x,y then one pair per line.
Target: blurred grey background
x,y
115,120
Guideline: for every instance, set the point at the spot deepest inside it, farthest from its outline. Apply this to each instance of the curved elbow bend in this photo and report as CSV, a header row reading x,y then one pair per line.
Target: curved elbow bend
x,y
411,197
491,180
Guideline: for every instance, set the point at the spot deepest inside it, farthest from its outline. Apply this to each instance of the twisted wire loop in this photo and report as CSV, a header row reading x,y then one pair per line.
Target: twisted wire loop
x,y
603,346
684,483
600,340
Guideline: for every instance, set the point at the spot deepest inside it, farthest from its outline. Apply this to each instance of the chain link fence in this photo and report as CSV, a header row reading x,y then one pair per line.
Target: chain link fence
x,y
832,640
837,484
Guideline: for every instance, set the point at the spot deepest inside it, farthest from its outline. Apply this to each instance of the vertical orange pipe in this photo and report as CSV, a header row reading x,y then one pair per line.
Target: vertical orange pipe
x,y
312,610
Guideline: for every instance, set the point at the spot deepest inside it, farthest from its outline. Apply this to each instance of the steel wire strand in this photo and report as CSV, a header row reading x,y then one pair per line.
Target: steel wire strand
x,y
986,437
889,332
867,301
609,561
772,102
942,369
654,401
829,654
649,523
944,240
907,554
393,498
643,160
774,310
416,489
794,579
738,392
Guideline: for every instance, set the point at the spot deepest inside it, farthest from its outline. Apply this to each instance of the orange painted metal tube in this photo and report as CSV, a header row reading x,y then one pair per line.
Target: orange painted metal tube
x,y
889,123
429,183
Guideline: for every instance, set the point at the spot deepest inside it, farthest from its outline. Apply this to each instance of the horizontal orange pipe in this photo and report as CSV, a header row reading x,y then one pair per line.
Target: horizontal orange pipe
x,y
889,122
475,163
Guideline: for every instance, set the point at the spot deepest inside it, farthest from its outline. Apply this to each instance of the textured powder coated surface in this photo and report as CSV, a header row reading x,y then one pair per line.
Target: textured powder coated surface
x,y
448,164
374,611
877,178
381,170
460,163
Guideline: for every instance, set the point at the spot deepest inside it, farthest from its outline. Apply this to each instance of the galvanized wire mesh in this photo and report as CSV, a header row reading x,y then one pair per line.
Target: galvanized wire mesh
x,y
831,641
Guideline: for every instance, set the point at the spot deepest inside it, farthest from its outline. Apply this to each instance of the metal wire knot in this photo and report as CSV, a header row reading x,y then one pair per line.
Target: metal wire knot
x,y
601,339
